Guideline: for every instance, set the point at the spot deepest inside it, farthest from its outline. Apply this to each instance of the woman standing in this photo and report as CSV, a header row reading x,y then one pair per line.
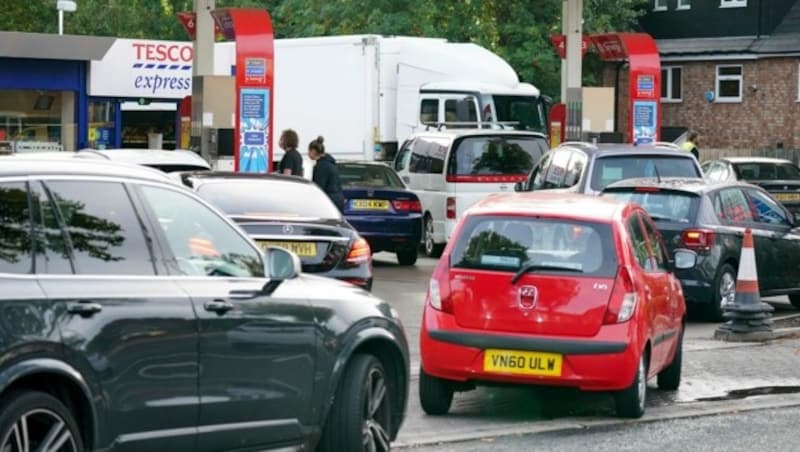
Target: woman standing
x,y
292,161
326,174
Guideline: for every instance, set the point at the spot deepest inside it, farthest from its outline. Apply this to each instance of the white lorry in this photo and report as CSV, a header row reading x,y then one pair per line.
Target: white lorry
x,y
365,94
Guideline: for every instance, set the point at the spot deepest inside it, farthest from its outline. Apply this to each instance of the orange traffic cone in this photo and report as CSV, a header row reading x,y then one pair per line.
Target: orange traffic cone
x,y
750,318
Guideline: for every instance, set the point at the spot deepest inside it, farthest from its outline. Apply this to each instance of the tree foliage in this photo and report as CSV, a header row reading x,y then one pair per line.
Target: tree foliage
x,y
517,30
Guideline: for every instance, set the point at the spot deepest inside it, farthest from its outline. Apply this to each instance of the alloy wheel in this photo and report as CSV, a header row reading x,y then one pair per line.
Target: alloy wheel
x,y
376,413
727,289
40,430
429,245
641,387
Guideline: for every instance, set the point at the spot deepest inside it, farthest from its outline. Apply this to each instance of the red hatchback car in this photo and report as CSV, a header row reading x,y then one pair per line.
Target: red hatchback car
x,y
553,289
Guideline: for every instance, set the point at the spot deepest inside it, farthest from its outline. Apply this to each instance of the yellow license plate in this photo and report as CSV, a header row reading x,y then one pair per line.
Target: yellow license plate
x,y
787,196
304,249
522,363
370,204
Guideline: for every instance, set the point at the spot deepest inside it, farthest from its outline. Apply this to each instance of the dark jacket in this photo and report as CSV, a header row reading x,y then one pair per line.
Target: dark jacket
x,y
326,176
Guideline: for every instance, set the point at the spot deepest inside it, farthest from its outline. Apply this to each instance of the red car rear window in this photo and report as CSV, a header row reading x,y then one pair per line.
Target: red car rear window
x,y
508,243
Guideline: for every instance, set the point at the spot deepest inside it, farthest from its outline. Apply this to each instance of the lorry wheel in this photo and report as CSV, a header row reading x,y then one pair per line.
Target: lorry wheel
x,y
432,249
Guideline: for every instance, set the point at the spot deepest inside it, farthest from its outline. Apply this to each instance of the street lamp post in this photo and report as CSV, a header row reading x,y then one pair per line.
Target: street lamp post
x,y
64,5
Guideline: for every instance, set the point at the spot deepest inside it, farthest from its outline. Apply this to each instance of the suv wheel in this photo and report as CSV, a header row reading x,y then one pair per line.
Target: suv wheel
x,y
32,420
432,249
407,256
435,394
360,418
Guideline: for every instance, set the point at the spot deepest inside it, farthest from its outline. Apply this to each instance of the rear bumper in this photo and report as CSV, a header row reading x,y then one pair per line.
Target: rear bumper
x,y
605,362
698,282
388,233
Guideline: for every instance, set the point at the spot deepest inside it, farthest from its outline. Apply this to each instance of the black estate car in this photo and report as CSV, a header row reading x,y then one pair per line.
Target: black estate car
x,y
136,317
293,213
710,218
780,177
588,168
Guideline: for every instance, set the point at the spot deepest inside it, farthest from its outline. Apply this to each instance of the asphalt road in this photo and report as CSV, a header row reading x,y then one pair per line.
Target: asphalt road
x,y
746,432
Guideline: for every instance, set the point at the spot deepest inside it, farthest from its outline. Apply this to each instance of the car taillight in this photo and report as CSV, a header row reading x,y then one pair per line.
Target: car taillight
x,y
623,299
439,301
697,239
451,208
407,205
359,252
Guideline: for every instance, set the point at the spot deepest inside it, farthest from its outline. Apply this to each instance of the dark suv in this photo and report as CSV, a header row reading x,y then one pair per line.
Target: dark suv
x,y
137,317
588,168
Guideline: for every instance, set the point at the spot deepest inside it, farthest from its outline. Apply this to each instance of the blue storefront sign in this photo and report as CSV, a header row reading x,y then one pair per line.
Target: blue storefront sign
x,y
253,139
644,121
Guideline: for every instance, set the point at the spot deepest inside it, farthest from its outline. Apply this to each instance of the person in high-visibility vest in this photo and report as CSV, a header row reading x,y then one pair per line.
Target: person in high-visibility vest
x,y
690,145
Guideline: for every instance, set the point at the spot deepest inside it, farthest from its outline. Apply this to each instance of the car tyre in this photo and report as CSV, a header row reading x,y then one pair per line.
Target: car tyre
x,y
669,379
435,394
407,256
432,249
724,283
361,417
630,402
38,420
795,299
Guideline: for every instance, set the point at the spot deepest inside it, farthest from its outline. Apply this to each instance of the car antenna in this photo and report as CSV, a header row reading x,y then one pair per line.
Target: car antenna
x,y
658,176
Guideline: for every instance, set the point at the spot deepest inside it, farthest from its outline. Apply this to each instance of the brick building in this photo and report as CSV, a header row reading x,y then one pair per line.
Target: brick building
x,y
730,69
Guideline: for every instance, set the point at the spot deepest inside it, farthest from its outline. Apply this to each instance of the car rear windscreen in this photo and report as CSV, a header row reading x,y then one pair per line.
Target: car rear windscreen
x,y
767,171
373,176
495,155
268,198
664,205
554,245
608,170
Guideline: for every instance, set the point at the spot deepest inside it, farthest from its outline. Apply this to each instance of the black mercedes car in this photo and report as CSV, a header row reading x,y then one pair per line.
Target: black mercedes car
x,y
293,213
134,316
710,218
780,177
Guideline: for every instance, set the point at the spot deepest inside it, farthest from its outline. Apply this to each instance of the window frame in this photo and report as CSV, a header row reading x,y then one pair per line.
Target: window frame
x,y
660,5
33,237
684,6
733,3
670,72
719,78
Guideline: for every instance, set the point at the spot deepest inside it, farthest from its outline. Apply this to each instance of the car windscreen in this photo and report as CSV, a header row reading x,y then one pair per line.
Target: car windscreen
x,y
767,171
662,205
523,111
495,155
509,243
374,176
270,198
608,170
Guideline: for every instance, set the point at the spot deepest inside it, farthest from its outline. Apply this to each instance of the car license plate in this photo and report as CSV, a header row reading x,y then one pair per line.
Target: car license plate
x,y
522,363
305,249
370,204
787,196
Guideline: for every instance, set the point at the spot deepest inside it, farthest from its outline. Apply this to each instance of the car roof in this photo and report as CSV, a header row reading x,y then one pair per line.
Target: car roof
x,y
685,184
37,166
615,149
216,176
149,156
457,133
755,160
549,204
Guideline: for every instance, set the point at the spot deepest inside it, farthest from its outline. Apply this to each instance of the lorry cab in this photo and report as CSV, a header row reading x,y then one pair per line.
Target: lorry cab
x,y
450,170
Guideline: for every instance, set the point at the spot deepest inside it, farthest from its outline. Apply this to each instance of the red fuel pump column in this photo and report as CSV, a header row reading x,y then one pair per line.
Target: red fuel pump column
x,y
251,28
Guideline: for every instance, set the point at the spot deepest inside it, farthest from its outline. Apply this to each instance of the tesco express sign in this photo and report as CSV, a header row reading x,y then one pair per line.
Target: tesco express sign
x,y
136,68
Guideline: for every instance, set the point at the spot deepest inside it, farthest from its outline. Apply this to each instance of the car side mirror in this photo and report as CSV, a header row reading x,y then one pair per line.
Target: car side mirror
x,y
280,264
684,259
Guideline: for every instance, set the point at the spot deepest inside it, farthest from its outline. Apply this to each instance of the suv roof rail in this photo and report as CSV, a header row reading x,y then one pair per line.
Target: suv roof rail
x,y
473,124
667,144
585,144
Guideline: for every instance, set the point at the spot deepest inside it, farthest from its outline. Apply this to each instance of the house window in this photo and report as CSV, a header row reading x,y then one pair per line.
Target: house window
x,y
732,3
729,83
671,83
659,5
684,4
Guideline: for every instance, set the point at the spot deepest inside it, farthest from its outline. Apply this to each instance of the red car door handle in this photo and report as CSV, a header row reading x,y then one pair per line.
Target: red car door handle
x,y
218,306
84,308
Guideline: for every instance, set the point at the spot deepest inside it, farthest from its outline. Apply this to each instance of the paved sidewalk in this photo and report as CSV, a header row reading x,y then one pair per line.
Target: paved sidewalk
x,y
712,371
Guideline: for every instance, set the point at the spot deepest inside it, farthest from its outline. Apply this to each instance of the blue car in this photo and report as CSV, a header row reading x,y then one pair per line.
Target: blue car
x,y
382,209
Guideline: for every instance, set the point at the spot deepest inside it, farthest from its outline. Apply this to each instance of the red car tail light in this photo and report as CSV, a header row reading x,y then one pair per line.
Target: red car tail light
x,y
451,208
698,239
623,299
439,287
407,205
359,252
